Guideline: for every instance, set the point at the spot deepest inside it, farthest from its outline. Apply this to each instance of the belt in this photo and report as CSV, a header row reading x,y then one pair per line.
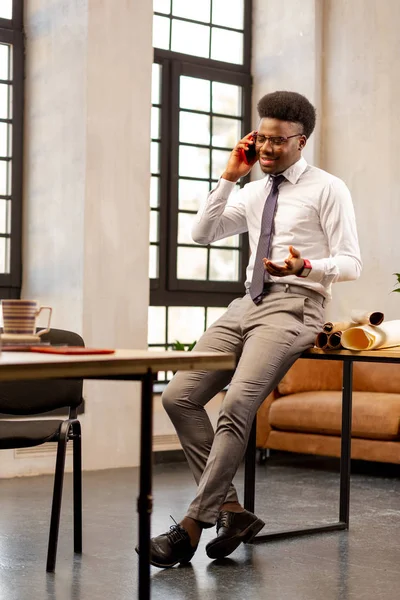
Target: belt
x,y
294,289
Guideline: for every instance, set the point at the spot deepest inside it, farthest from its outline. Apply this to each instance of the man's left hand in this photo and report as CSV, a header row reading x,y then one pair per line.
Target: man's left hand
x,y
293,264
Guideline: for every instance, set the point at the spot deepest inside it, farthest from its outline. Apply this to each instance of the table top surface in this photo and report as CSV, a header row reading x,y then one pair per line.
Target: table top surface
x,y
383,355
34,365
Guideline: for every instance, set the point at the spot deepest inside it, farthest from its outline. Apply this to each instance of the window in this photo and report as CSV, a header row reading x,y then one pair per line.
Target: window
x,y
200,108
11,123
205,28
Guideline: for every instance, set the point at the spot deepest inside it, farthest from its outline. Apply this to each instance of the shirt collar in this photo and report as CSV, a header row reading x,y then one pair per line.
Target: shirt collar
x,y
295,171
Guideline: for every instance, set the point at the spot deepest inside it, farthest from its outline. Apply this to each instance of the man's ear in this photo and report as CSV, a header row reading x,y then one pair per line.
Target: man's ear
x,y
302,142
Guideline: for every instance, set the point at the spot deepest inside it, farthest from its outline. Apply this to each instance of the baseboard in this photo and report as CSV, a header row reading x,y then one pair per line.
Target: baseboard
x,y
168,456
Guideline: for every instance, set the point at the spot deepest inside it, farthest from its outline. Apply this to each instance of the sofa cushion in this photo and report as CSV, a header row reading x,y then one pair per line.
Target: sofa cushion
x,y
329,445
375,415
376,377
312,375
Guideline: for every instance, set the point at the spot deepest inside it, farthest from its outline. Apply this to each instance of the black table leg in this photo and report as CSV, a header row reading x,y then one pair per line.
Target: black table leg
x,y
345,455
345,458
250,469
145,499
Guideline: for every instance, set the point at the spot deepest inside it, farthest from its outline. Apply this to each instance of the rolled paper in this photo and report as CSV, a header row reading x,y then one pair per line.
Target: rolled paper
x,y
333,327
367,337
322,340
363,317
334,340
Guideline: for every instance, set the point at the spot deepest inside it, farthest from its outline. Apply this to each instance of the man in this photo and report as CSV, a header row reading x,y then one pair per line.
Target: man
x,y
303,238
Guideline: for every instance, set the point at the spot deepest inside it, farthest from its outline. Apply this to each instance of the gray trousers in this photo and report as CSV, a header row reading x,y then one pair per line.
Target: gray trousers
x,y
267,339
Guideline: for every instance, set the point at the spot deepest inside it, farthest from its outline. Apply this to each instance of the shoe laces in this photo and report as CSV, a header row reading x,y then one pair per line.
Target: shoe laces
x,y
223,519
176,533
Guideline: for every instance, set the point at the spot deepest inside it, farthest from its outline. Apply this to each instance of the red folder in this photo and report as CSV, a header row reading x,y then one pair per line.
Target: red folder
x,y
70,350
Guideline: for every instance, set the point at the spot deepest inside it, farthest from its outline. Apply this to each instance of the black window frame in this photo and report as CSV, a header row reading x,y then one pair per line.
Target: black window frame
x,y
11,32
167,290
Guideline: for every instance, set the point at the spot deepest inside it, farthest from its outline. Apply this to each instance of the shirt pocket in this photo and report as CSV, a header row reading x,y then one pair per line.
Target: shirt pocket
x,y
295,215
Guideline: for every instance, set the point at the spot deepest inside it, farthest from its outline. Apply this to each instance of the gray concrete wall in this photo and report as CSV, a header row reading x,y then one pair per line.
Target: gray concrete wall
x,y
360,137
342,55
86,197
87,172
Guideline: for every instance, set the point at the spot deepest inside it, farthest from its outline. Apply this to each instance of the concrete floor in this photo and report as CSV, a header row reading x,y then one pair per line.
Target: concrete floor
x,y
361,564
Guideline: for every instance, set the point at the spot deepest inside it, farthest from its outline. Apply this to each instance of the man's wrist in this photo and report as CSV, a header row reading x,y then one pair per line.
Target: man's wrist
x,y
306,269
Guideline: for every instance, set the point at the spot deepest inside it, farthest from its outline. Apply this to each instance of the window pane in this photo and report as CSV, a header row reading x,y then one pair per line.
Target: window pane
x,y
214,313
6,9
226,132
4,101
155,157
234,17
227,46
5,178
4,255
226,99
156,325
155,192
5,139
184,34
4,61
198,11
192,263
155,122
194,93
156,84
162,6
185,223
153,262
194,162
185,323
224,265
5,216
219,160
154,218
161,32
194,128
191,193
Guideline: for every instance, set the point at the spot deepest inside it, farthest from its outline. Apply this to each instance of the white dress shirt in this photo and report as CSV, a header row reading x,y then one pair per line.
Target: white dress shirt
x,y
314,214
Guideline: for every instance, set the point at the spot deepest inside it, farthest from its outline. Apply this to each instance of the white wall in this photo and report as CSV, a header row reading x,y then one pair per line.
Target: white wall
x,y
286,54
116,284
86,197
55,156
361,132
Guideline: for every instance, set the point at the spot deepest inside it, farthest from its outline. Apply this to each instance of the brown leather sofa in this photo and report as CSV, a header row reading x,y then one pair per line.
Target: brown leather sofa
x,y
303,414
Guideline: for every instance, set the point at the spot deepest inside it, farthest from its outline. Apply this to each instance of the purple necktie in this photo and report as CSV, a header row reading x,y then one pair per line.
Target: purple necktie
x,y
259,273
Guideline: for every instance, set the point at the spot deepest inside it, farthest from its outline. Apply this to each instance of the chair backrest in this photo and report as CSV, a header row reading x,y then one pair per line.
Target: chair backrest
x,y
34,397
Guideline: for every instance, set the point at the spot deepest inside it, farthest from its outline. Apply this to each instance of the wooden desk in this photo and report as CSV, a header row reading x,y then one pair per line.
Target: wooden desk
x,y
132,365
348,357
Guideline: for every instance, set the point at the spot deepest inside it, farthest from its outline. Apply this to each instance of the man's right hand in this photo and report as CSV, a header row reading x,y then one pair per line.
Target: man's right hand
x,y
236,167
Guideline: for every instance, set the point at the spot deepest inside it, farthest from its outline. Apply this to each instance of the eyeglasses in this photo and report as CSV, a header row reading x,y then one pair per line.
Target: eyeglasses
x,y
274,141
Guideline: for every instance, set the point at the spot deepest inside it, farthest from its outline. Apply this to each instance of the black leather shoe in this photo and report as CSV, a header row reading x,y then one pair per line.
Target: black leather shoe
x,y
233,529
171,548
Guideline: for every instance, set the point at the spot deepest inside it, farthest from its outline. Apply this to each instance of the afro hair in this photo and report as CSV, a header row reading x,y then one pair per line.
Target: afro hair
x,y
288,106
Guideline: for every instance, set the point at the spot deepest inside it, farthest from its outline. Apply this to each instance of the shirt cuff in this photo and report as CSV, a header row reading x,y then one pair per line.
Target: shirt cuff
x,y
318,272
223,188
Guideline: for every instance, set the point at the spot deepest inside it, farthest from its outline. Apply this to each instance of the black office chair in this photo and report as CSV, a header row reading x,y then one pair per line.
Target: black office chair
x,y
37,397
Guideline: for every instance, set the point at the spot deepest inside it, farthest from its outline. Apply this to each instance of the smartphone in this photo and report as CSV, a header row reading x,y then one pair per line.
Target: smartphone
x,y
249,155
